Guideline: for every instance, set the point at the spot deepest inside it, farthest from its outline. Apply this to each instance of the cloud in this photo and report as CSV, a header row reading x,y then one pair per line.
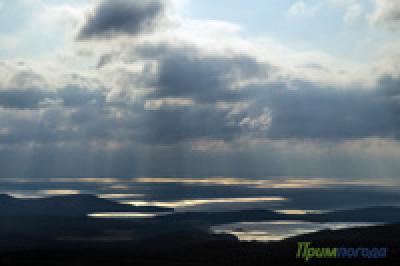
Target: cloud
x,y
275,110
188,72
27,79
173,103
36,97
311,112
353,9
23,98
157,104
122,17
300,8
387,12
23,89
183,93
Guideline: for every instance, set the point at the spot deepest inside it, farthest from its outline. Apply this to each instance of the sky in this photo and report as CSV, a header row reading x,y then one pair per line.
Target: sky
x,y
190,88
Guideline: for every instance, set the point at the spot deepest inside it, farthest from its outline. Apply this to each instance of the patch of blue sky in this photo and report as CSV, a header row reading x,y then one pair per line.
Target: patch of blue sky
x,y
316,25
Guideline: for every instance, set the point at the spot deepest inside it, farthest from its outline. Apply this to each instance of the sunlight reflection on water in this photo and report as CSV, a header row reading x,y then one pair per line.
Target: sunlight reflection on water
x,y
278,230
195,202
125,215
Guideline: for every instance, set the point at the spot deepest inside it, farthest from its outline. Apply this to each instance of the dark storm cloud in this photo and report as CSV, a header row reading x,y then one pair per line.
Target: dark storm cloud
x,y
70,113
311,112
68,96
175,109
389,85
174,126
115,17
23,98
27,89
206,78
204,83
187,72
78,96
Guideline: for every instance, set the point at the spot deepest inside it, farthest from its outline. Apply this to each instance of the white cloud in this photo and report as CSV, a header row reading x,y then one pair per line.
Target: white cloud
x,y
386,12
257,123
158,104
300,8
353,9
210,145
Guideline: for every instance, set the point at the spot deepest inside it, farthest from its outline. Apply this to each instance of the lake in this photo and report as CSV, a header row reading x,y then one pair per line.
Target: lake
x,y
278,230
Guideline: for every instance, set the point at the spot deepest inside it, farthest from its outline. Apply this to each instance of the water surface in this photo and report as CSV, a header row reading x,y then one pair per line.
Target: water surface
x,y
278,230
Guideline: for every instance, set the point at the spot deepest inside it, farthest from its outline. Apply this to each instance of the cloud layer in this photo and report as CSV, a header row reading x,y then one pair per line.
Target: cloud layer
x,y
115,17
387,12
175,103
